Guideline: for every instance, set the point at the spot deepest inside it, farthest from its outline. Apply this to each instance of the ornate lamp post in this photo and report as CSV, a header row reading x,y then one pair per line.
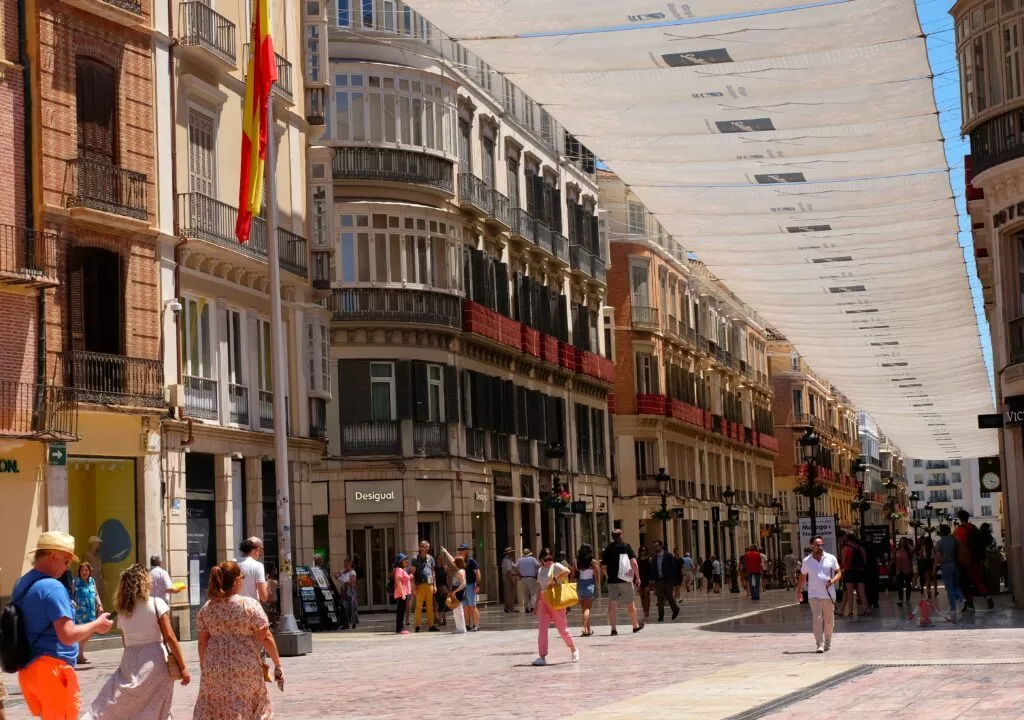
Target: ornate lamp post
x,y
810,489
892,515
776,506
915,523
664,484
728,494
555,452
861,504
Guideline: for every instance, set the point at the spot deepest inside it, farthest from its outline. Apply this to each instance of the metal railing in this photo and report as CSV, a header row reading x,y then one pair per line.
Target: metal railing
x,y
402,166
321,270
524,448
474,192
648,485
266,401
203,218
560,247
500,448
600,270
318,418
583,459
430,439
371,438
522,224
475,442
116,379
100,185
238,404
27,253
293,253
997,140
316,102
202,27
283,86
580,259
673,325
542,236
1016,332
27,409
501,209
200,397
420,307
646,317
132,6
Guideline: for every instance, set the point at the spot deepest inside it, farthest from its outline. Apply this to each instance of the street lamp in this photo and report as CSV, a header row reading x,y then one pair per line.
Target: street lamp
x,y
890,506
664,484
555,452
809,447
776,506
861,504
728,494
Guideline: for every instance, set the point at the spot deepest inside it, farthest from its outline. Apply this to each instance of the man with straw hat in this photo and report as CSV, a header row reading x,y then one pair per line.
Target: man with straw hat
x,y
48,679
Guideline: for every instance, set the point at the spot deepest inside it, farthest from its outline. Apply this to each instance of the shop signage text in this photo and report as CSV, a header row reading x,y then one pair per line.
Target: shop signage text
x,y
375,496
1014,413
8,465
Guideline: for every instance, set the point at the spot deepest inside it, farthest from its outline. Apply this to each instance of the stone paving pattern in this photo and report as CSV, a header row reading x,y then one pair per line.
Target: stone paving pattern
x,y
750,654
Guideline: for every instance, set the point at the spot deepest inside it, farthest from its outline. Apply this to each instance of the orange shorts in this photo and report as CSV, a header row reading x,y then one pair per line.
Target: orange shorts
x,y
50,687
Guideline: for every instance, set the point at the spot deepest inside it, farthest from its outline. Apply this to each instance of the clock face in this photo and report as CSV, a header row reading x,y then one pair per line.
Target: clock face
x,y
990,481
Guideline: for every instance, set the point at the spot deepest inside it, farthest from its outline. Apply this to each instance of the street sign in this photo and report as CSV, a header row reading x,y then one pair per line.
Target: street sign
x,y
57,454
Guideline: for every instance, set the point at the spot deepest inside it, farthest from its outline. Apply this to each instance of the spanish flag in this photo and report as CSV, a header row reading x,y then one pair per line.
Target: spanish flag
x,y
262,74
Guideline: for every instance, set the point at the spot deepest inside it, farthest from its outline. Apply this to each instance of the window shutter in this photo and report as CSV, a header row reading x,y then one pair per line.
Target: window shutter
x,y
451,394
354,391
76,300
501,291
577,222
421,401
551,419
522,412
494,406
508,406
480,279
544,316
517,296
96,110
560,421
481,399
562,321
556,209
403,389
538,196
595,234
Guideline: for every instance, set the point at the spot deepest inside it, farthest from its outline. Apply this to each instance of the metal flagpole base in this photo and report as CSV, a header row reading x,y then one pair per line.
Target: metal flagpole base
x,y
292,642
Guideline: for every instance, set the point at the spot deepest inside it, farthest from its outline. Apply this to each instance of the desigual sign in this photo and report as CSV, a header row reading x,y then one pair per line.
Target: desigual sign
x,y
376,496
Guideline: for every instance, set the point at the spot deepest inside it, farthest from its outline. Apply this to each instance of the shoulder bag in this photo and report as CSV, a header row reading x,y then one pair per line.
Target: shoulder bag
x,y
561,595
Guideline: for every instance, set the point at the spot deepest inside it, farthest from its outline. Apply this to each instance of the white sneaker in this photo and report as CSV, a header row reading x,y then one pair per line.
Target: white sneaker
x,y
820,649
540,662
575,655
827,647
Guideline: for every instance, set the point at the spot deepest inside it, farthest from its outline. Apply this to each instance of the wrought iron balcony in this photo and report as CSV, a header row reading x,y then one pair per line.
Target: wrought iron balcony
x,y
600,271
318,418
99,185
200,26
645,317
266,401
371,438
500,450
501,209
200,397
293,253
417,307
238,404
402,166
283,86
321,270
316,103
560,246
542,236
116,379
522,224
132,6
580,259
430,439
474,194
475,442
203,218
28,257
27,409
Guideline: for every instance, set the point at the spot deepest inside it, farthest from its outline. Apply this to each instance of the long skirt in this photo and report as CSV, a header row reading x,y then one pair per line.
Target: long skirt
x,y
140,689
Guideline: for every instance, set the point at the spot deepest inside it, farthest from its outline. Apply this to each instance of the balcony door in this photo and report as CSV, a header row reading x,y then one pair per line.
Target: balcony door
x,y
95,295
96,125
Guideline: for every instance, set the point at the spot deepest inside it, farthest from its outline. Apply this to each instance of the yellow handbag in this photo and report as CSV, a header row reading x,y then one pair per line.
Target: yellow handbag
x,y
561,595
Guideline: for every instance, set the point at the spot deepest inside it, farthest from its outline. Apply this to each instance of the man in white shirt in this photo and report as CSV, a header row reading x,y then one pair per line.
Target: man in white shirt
x,y
254,576
162,585
821,572
527,567
508,577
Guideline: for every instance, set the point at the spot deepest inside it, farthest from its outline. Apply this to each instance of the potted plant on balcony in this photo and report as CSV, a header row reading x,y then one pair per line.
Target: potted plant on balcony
x,y
662,515
810,490
559,500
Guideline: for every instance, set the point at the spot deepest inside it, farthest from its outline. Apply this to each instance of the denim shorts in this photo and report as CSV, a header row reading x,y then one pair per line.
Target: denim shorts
x,y
471,595
585,589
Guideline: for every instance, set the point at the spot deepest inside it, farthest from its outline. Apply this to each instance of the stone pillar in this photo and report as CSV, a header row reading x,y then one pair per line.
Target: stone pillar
x,y
253,497
176,552
302,512
57,497
223,504
407,538
337,521
152,505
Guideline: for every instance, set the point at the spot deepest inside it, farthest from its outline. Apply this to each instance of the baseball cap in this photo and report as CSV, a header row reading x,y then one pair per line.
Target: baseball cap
x,y
463,546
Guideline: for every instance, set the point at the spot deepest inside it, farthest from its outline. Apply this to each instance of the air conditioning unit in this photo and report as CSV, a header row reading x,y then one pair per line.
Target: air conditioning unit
x,y
175,395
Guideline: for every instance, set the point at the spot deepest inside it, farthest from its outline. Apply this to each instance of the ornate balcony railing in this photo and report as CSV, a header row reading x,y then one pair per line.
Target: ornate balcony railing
x,y
475,442
283,86
316,102
203,218
648,485
202,27
99,185
560,247
542,235
318,418
266,401
430,439
420,307
321,270
238,404
997,140
132,6
28,256
116,379
522,224
501,209
384,164
200,397
474,192
645,317
293,253
1016,330
27,409
371,438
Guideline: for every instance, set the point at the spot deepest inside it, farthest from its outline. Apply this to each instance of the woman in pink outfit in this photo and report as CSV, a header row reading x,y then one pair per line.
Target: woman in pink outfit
x,y
551,572
402,589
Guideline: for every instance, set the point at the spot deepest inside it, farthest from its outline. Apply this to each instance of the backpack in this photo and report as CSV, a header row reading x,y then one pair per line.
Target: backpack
x,y
15,648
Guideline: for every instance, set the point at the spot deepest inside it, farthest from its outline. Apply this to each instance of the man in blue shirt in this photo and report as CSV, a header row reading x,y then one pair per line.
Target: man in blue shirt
x,y
48,681
473,578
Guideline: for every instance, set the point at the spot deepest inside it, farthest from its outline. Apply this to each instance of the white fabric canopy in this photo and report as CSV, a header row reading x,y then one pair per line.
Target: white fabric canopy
x,y
795,148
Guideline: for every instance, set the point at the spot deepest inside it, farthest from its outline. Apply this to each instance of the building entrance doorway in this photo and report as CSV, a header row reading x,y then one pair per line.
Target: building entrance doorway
x,y
373,553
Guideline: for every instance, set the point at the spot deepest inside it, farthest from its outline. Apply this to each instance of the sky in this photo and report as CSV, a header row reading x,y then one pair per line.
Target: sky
x,y
937,25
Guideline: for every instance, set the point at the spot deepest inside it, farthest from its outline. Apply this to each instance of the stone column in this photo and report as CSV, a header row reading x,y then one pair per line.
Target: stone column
x,y
223,503
152,502
254,497
57,497
176,552
337,521
302,512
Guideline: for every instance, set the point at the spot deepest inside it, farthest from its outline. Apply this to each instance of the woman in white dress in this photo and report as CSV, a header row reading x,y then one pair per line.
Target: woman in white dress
x,y
141,688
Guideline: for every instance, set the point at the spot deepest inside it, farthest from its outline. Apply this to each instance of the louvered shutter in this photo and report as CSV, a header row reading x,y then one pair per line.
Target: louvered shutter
x,y
403,389
556,209
96,110
354,391
420,396
494,410
76,299
595,234
563,319
451,394
501,288
538,196
508,407
522,412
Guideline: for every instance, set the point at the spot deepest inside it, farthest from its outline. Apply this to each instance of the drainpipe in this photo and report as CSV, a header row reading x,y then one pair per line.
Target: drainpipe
x,y
174,183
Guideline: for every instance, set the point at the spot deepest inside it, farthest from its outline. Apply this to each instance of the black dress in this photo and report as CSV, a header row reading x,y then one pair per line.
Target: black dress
x,y
646,571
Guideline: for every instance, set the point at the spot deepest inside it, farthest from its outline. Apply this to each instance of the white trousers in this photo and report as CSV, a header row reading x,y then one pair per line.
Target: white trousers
x,y
530,590
460,619
823,619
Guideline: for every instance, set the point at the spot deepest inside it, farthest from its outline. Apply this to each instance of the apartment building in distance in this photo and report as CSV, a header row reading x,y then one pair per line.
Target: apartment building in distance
x,y
804,401
692,391
218,448
987,37
455,242
948,486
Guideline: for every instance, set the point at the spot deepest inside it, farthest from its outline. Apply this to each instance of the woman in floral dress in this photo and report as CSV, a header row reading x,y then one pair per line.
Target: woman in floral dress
x,y
232,629
88,604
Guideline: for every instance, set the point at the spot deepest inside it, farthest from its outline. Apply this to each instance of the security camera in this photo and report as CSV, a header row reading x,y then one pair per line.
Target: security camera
x,y
174,306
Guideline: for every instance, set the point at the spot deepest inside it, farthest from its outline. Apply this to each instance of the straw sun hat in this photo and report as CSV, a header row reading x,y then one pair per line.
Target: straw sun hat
x,y
56,540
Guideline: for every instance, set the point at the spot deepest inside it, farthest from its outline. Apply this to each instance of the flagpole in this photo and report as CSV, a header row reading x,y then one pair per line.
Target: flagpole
x,y
290,640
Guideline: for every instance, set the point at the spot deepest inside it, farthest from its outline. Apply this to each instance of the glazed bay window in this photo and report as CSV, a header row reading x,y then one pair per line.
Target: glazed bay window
x,y
383,249
646,374
264,375
395,109
198,373
238,393
435,394
318,347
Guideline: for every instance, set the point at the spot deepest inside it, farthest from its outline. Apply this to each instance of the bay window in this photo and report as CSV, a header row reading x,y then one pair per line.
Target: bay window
x,y
195,341
318,351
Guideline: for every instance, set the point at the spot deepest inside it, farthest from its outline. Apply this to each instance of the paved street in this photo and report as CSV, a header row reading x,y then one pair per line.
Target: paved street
x,y
725,657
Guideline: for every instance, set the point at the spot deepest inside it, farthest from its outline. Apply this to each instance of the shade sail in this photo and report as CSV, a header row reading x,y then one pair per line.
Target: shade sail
x,y
795,148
